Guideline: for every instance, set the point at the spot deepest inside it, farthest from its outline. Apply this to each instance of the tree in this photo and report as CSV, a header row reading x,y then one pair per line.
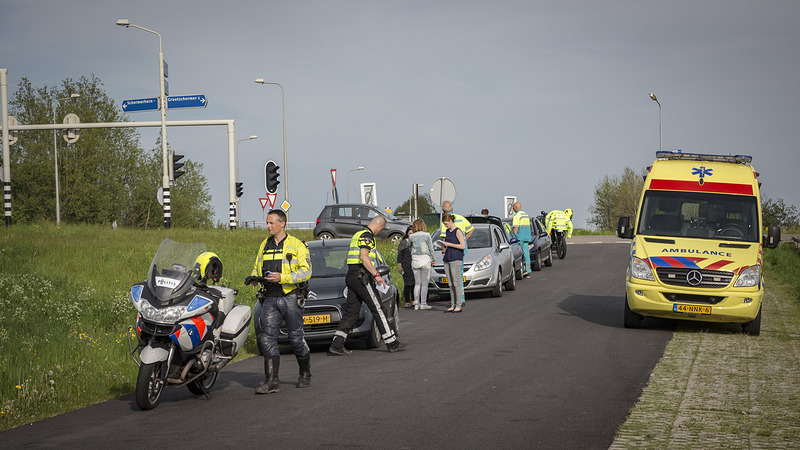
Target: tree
x,y
616,196
105,176
424,206
91,171
776,212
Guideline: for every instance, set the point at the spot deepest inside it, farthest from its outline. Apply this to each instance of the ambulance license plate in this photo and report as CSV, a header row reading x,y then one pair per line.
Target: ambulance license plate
x,y
691,309
316,319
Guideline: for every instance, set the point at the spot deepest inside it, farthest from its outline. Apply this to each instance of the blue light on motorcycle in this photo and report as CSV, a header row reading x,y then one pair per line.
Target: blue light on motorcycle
x,y
136,293
199,302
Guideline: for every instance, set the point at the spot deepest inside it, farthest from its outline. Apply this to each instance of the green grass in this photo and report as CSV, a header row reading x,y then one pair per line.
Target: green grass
x,y
64,309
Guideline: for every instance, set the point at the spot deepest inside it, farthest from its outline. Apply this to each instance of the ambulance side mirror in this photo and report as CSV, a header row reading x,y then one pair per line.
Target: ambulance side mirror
x,y
624,229
773,237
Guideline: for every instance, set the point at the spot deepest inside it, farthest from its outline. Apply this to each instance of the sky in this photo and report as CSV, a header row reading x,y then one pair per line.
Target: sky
x,y
534,99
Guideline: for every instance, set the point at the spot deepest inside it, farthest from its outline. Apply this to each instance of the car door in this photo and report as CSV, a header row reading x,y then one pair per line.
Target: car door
x,y
345,222
503,254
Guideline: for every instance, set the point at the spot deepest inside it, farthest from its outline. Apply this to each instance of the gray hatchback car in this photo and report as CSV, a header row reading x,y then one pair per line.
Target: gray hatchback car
x,y
346,219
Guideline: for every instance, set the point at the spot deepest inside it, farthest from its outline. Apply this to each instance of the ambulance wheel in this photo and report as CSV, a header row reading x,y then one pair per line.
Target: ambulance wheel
x,y
631,320
753,328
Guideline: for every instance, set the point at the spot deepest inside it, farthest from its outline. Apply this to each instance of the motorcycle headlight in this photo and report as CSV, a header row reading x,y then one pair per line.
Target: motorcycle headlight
x,y
136,294
164,315
640,269
749,277
484,264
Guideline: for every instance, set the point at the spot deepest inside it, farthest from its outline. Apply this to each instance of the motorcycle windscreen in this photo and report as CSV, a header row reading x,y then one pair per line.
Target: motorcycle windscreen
x,y
174,269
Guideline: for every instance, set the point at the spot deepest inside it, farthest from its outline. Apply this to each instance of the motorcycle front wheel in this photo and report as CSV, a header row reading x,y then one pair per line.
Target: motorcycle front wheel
x,y
150,385
203,384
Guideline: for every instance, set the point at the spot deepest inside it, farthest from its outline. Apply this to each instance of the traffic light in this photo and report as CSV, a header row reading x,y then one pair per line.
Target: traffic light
x,y
272,175
239,189
177,165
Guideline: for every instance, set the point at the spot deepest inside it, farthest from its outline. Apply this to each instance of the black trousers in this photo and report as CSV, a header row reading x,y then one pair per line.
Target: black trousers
x,y
362,288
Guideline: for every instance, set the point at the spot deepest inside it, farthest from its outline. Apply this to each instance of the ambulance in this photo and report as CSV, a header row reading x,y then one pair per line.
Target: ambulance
x,y
697,247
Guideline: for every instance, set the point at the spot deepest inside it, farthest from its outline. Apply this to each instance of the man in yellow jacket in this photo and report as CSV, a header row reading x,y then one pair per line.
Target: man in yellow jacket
x,y
559,220
283,267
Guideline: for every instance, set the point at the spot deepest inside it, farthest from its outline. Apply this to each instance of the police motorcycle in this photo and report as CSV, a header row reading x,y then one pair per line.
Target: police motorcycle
x,y
558,237
186,329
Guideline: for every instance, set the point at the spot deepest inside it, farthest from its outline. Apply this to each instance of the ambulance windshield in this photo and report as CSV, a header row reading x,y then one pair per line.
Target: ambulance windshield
x,y
699,215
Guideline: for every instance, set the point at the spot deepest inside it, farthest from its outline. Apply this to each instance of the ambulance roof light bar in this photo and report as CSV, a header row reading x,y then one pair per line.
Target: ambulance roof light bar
x,y
738,159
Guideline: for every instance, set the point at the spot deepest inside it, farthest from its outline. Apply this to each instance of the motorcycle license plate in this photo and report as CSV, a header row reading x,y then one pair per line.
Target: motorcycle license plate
x,y
691,309
443,280
316,319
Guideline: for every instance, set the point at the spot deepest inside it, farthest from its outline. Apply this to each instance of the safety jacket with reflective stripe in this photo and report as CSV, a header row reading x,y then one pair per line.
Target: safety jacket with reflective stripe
x,y
362,239
523,224
559,220
295,269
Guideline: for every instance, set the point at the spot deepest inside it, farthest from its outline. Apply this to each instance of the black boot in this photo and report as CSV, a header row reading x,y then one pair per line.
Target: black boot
x,y
337,347
396,346
305,371
271,384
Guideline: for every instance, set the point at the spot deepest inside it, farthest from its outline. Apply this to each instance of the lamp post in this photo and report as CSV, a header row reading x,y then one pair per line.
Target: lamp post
x,y
163,99
348,180
655,99
55,154
238,212
285,164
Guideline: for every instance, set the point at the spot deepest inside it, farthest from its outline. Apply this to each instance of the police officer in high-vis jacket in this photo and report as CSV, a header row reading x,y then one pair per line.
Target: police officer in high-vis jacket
x,y
284,265
361,280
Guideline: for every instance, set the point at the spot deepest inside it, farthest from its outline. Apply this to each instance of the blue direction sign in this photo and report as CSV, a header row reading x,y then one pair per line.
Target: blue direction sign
x,y
140,104
187,101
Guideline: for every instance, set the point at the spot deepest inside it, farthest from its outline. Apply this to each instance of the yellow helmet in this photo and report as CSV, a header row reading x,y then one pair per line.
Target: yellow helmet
x,y
208,267
568,212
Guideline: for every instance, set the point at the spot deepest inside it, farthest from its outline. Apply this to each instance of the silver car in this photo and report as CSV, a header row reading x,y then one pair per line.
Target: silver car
x,y
488,263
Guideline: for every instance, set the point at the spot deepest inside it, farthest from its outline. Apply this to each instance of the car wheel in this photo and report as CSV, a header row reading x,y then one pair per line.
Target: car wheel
x,y
511,284
325,235
498,288
753,328
631,319
549,261
374,337
537,263
396,238
518,273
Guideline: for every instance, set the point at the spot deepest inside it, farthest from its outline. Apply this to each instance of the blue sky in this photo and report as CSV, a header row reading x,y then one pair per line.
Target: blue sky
x,y
536,99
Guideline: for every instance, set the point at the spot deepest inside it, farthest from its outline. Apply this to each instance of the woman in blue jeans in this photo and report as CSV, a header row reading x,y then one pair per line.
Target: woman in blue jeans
x,y
421,262
453,249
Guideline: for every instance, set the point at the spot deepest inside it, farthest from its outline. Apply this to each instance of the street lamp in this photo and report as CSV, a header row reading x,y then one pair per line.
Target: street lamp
x,y
163,99
348,180
55,154
655,99
238,213
285,164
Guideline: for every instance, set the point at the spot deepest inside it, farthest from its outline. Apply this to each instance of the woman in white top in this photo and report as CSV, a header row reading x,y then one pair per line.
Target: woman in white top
x,y
421,262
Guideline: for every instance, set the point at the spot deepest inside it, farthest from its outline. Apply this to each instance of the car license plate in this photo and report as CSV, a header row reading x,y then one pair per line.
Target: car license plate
x,y
692,309
316,319
443,280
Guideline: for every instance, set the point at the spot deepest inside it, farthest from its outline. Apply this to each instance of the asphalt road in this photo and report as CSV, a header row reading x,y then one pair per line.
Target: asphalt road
x,y
546,366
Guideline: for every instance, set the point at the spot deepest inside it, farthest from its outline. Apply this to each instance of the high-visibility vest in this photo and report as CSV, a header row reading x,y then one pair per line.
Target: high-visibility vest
x,y
295,262
363,238
523,224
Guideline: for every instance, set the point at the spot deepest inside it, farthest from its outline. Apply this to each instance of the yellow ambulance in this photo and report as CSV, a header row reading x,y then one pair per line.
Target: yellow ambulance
x,y
697,242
